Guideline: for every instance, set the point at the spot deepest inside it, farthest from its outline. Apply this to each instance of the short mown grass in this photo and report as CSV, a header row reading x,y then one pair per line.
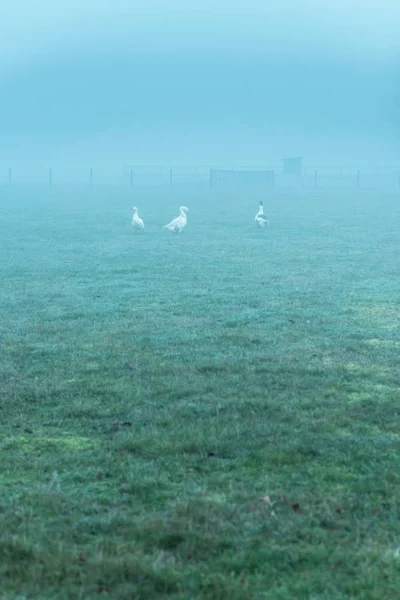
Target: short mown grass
x,y
212,416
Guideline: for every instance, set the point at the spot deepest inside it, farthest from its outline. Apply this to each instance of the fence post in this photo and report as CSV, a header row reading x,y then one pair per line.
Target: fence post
x,y
170,177
91,177
315,178
50,177
358,179
273,178
131,179
9,176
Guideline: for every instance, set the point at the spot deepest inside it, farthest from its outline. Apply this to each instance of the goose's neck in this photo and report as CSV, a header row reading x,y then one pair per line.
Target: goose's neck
x,y
261,209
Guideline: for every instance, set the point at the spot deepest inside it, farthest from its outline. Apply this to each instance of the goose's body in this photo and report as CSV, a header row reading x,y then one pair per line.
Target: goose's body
x,y
137,222
176,225
261,219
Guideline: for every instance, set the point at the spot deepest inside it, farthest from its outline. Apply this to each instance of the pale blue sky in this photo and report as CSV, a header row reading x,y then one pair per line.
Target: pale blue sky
x,y
198,82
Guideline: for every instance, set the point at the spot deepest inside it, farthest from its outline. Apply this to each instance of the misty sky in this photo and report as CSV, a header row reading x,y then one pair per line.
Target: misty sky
x,y
189,82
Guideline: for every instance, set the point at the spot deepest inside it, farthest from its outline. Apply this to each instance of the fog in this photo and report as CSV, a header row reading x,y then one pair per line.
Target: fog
x,y
186,83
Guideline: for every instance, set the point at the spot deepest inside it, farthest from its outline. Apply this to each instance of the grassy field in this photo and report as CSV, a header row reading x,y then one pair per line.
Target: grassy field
x,y
213,416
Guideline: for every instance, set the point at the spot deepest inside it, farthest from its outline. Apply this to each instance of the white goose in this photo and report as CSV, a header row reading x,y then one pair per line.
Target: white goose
x,y
137,222
179,223
260,218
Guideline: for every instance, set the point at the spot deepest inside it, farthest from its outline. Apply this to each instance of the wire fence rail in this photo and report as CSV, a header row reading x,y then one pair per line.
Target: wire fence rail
x,y
317,177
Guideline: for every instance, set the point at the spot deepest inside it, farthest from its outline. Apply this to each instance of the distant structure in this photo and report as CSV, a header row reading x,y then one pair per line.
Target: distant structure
x,y
292,165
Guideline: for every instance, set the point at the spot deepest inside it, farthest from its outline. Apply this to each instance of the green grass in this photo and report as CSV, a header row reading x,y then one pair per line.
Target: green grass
x,y
212,416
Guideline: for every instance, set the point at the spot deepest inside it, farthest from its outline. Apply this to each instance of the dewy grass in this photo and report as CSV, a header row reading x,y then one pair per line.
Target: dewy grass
x,y
209,416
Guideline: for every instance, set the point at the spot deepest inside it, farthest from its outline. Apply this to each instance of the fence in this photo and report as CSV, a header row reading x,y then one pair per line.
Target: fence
x,y
367,177
165,175
242,177
328,177
319,177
